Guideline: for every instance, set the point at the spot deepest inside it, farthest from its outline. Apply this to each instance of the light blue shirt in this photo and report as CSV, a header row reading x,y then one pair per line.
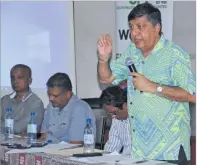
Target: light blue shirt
x,y
69,123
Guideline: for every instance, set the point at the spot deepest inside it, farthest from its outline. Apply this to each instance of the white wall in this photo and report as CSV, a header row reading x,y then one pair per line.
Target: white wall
x,y
92,19
96,18
184,28
184,34
43,40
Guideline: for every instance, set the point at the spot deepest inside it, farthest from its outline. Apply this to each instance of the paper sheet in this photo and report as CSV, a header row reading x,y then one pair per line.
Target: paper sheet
x,y
70,152
119,159
45,149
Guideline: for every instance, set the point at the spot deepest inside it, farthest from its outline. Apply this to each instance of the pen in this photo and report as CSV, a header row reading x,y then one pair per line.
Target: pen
x,y
77,146
141,161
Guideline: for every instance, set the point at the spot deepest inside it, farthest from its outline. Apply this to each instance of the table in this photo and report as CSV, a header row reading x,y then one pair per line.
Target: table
x,y
36,159
51,159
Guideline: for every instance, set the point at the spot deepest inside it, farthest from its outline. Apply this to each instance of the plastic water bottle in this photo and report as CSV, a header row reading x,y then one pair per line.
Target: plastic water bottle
x,y
9,126
32,129
88,137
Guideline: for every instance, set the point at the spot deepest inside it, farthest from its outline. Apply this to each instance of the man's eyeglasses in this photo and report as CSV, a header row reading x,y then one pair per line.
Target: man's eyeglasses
x,y
114,113
56,96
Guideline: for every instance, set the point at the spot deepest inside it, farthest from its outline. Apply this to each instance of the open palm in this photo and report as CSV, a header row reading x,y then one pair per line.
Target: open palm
x,y
104,47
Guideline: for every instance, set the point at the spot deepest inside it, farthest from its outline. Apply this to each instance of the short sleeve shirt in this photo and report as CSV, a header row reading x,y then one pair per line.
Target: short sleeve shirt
x,y
21,110
67,124
159,126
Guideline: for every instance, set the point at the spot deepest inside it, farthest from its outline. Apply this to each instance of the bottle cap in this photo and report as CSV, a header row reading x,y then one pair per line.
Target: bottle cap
x,y
88,121
32,113
9,109
49,141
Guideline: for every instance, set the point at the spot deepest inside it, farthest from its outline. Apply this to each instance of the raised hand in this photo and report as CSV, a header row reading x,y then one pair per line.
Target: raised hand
x,y
104,48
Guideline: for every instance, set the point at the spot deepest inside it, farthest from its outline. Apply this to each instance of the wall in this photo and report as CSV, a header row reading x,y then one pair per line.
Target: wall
x,y
184,34
96,18
92,19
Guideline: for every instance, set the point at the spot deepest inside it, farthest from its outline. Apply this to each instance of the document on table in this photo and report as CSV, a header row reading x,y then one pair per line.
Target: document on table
x,y
71,151
45,149
118,159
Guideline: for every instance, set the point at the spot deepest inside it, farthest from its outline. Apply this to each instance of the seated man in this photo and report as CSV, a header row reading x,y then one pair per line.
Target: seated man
x,y
23,101
114,100
66,114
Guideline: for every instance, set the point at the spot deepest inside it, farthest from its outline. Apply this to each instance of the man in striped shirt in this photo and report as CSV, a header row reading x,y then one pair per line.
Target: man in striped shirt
x,y
113,100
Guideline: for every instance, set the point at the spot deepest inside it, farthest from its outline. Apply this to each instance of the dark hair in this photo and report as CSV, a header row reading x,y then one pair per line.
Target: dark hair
x,y
114,96
22,66
60,80
152,13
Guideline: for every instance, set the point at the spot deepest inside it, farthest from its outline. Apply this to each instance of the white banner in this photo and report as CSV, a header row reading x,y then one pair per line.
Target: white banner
x,y
123,8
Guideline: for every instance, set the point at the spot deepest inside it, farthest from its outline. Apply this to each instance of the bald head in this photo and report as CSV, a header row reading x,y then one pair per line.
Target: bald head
x,y
20,77
23,68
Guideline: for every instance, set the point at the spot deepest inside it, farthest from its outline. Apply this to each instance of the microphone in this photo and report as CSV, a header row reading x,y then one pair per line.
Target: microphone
x,y
130,64
131,67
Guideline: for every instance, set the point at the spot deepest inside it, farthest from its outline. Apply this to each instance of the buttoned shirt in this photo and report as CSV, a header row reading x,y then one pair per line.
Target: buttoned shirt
x,y
21,110
67,124
119,136
159,126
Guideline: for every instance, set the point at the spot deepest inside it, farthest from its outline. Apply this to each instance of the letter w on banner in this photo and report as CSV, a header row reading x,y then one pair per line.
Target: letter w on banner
x,y
123,8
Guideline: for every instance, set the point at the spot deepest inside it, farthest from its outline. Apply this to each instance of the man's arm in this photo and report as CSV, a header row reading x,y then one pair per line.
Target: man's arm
x,y
49,132
45,132
44,126
184,83
116,71
104,49
38,107
47,136
177,94
105,73
172,93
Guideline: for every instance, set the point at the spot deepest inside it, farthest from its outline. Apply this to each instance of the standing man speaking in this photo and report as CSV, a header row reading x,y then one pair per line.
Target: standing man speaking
x,y
159,92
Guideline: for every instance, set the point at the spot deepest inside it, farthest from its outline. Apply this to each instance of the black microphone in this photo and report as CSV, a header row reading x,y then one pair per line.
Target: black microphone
x,y
131,67
130,64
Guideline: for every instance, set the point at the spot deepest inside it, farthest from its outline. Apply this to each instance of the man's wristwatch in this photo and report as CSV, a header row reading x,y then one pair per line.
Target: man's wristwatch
x,y
159,89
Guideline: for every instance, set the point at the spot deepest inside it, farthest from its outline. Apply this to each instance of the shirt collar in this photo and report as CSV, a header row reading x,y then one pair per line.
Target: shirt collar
x,y
24,98
72,99
160,44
